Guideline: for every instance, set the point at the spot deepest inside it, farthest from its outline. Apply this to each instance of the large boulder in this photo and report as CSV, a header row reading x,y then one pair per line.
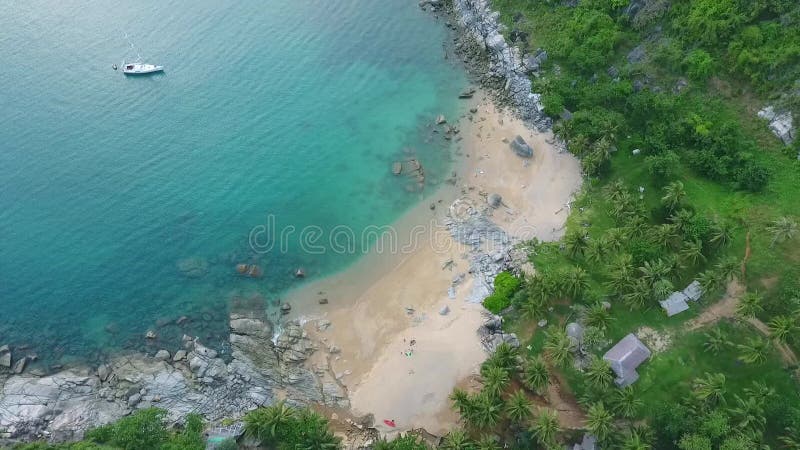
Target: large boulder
x,y
521,148
780,123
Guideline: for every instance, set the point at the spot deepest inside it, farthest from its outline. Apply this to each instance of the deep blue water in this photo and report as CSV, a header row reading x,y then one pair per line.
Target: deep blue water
x,y
290,108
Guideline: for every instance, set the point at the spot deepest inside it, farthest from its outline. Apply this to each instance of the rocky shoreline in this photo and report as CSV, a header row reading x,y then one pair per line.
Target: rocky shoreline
x,y
501,69
267,364
196,379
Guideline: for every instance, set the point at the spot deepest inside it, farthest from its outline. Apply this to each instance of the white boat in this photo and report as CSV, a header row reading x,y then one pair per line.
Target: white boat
x,y
138,68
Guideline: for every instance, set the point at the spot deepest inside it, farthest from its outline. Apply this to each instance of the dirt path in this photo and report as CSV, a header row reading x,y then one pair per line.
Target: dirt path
x,y
726,309
561,399
723,309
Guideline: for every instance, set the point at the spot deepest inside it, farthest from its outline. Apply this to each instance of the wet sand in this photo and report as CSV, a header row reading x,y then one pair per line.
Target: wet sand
x,y
386,300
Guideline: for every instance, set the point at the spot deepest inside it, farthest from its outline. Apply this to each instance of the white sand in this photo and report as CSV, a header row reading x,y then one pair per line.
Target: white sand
x,y
368,302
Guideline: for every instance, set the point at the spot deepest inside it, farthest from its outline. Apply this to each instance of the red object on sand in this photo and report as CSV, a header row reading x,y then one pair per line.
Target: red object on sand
x,y
389,422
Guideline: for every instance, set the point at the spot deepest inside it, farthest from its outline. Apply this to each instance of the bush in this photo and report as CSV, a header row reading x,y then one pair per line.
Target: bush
x,y
282,427
404,442
140,431
663,167
699,65
553,104
505,286
227,444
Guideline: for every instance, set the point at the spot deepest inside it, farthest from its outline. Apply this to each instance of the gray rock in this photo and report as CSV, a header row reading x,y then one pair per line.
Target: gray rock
x,y
494,200
163,355
637,55
542,323
680,85
20,365
445,310
521,148
180,355
103,372
780,123
613,72
134,400
323,325
5,356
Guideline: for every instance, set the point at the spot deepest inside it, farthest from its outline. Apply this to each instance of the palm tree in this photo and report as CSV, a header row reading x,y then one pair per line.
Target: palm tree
x,y
546,427
622,275
576,242
518,408
682,218
662,289
558,347
457,440
754,351
790,439
760,391
598,316
638,295
495,380
488,411
461,401
692,253
504,356
782,328
665,235
721,234
674,194
488,442
627,403
575,281
729,268
614,190
710,388
749,305
316,433
710,280
784,229
653,271
264,424
533,308
614,239
535,374
598,372
748,416
635,441
599,421
597,251
715,341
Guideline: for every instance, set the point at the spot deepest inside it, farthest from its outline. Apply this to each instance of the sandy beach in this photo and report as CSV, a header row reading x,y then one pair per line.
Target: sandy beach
x,y
387,342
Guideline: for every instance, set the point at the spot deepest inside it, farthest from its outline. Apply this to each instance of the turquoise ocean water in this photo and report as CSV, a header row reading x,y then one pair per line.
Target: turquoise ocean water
x,y
290,108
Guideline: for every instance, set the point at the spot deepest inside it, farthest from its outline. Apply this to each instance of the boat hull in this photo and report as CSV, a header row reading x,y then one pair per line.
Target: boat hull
x,y
141,69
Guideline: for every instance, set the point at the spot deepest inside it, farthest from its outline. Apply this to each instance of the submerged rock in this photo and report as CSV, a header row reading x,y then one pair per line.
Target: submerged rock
x,y
193,267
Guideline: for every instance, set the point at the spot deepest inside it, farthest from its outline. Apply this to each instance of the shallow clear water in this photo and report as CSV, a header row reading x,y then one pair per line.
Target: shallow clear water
x,y
294,109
